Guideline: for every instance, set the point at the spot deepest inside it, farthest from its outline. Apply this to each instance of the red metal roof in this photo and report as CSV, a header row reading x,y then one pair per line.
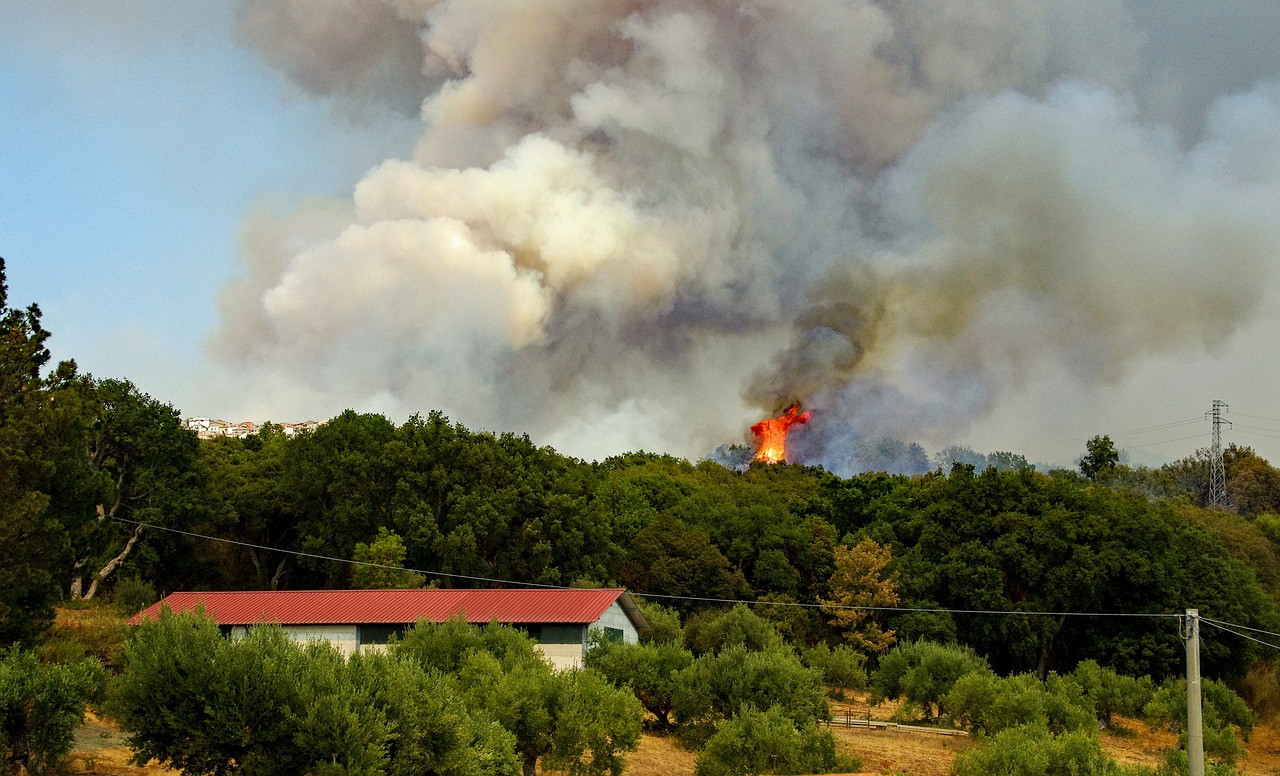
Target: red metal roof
x,y
345,607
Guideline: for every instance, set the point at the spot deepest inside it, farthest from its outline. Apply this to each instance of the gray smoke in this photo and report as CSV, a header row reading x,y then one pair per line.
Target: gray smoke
x,y
643,224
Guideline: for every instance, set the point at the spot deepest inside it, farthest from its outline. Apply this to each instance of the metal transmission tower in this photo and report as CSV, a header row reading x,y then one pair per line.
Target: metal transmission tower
x,y
1217,472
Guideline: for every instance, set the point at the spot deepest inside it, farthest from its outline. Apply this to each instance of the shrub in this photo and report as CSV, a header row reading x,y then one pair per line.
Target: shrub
x,y
42,705
1031,750
717,686
754,742
131,595
842,668
1112,693
710,632
648,670
1222,713
988,704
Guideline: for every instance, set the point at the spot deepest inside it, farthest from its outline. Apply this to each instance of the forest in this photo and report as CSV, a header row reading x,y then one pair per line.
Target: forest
x,y
982,558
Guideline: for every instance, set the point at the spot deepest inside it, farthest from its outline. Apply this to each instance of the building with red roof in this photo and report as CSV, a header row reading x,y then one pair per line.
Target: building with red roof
x,y
558,619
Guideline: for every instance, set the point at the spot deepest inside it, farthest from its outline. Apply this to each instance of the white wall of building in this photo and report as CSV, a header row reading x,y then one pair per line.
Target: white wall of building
x,y
614,617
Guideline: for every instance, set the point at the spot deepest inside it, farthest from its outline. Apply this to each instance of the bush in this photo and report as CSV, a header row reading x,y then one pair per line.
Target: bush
x,y
1222,713
987,704
756,742
264,704
717,686
711,632
1031,750
42,705
842,668
1112,693
131,595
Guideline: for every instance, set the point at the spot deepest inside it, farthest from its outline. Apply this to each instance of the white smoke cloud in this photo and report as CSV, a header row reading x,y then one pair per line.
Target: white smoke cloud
x,y
636,223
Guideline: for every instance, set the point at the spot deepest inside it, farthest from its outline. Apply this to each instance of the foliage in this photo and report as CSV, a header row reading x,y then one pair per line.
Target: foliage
x,y
131,594
842,668
860,581
987,704
649,670
1034,751
923,673
1223,713
717,686
42,705
38,453
710,631
769,741
1112,693
381,564
1100,457
263,704
664,624
575,721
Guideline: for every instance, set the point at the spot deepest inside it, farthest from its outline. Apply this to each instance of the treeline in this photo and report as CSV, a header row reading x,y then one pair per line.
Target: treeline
x,y
87,465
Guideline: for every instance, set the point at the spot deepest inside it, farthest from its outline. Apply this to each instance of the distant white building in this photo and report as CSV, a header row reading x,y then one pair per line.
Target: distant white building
x,y
559,620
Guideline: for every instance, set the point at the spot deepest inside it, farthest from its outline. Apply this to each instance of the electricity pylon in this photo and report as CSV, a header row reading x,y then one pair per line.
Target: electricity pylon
x,y
1217,471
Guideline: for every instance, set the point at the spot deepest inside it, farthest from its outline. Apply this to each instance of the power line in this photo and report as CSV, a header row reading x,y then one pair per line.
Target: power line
x,y
1241,635
1255,417
1241,627
794,604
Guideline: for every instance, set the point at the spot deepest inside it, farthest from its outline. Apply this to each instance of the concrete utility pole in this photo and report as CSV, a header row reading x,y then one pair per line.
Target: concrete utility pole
x,y
1195,722
1217,471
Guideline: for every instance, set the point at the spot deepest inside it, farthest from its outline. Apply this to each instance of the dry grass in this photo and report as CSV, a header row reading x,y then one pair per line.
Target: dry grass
x,y
100,749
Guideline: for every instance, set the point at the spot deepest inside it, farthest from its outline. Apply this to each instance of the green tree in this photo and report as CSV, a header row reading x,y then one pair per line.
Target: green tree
x,y
923,673
381,564
755,742
718,686
204,704
38,452
251,499
987,704
574,721
41,706
1112,693
1100,457
649,670
1224,716
711,631
842,667
148,467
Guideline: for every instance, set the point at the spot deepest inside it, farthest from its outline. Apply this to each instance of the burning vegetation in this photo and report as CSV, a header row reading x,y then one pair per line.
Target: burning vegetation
x,y
772,433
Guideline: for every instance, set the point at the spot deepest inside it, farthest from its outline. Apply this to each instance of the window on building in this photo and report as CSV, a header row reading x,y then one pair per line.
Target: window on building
x,y
612,634
380,634
560,634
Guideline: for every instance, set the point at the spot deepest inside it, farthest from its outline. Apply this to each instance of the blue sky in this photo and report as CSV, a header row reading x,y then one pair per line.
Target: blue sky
x,y
137,136
134,140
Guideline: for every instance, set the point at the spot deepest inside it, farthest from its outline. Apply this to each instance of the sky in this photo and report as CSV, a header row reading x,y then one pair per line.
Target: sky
x,y
1006,224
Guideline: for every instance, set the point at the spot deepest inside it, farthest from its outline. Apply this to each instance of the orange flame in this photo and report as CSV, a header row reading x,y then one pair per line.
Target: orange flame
x,y
773,433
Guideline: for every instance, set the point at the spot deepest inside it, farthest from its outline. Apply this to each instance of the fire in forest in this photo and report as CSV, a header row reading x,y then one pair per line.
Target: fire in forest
x,y
772,433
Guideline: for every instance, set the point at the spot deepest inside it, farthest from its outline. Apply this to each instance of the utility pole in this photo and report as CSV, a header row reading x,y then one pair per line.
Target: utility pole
x,y
1195,722
1217,471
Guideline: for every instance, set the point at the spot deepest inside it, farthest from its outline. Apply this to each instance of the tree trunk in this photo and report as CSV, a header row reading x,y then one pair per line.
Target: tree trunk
x,y
530,766
275,578
114,563
77,580
1046,648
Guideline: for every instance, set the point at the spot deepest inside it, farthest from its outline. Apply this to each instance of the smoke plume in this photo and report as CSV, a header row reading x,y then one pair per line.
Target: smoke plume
x,y
646,224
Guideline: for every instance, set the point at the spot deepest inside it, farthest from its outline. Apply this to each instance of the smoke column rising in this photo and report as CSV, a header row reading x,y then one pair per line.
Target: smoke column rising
x,y
634,223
